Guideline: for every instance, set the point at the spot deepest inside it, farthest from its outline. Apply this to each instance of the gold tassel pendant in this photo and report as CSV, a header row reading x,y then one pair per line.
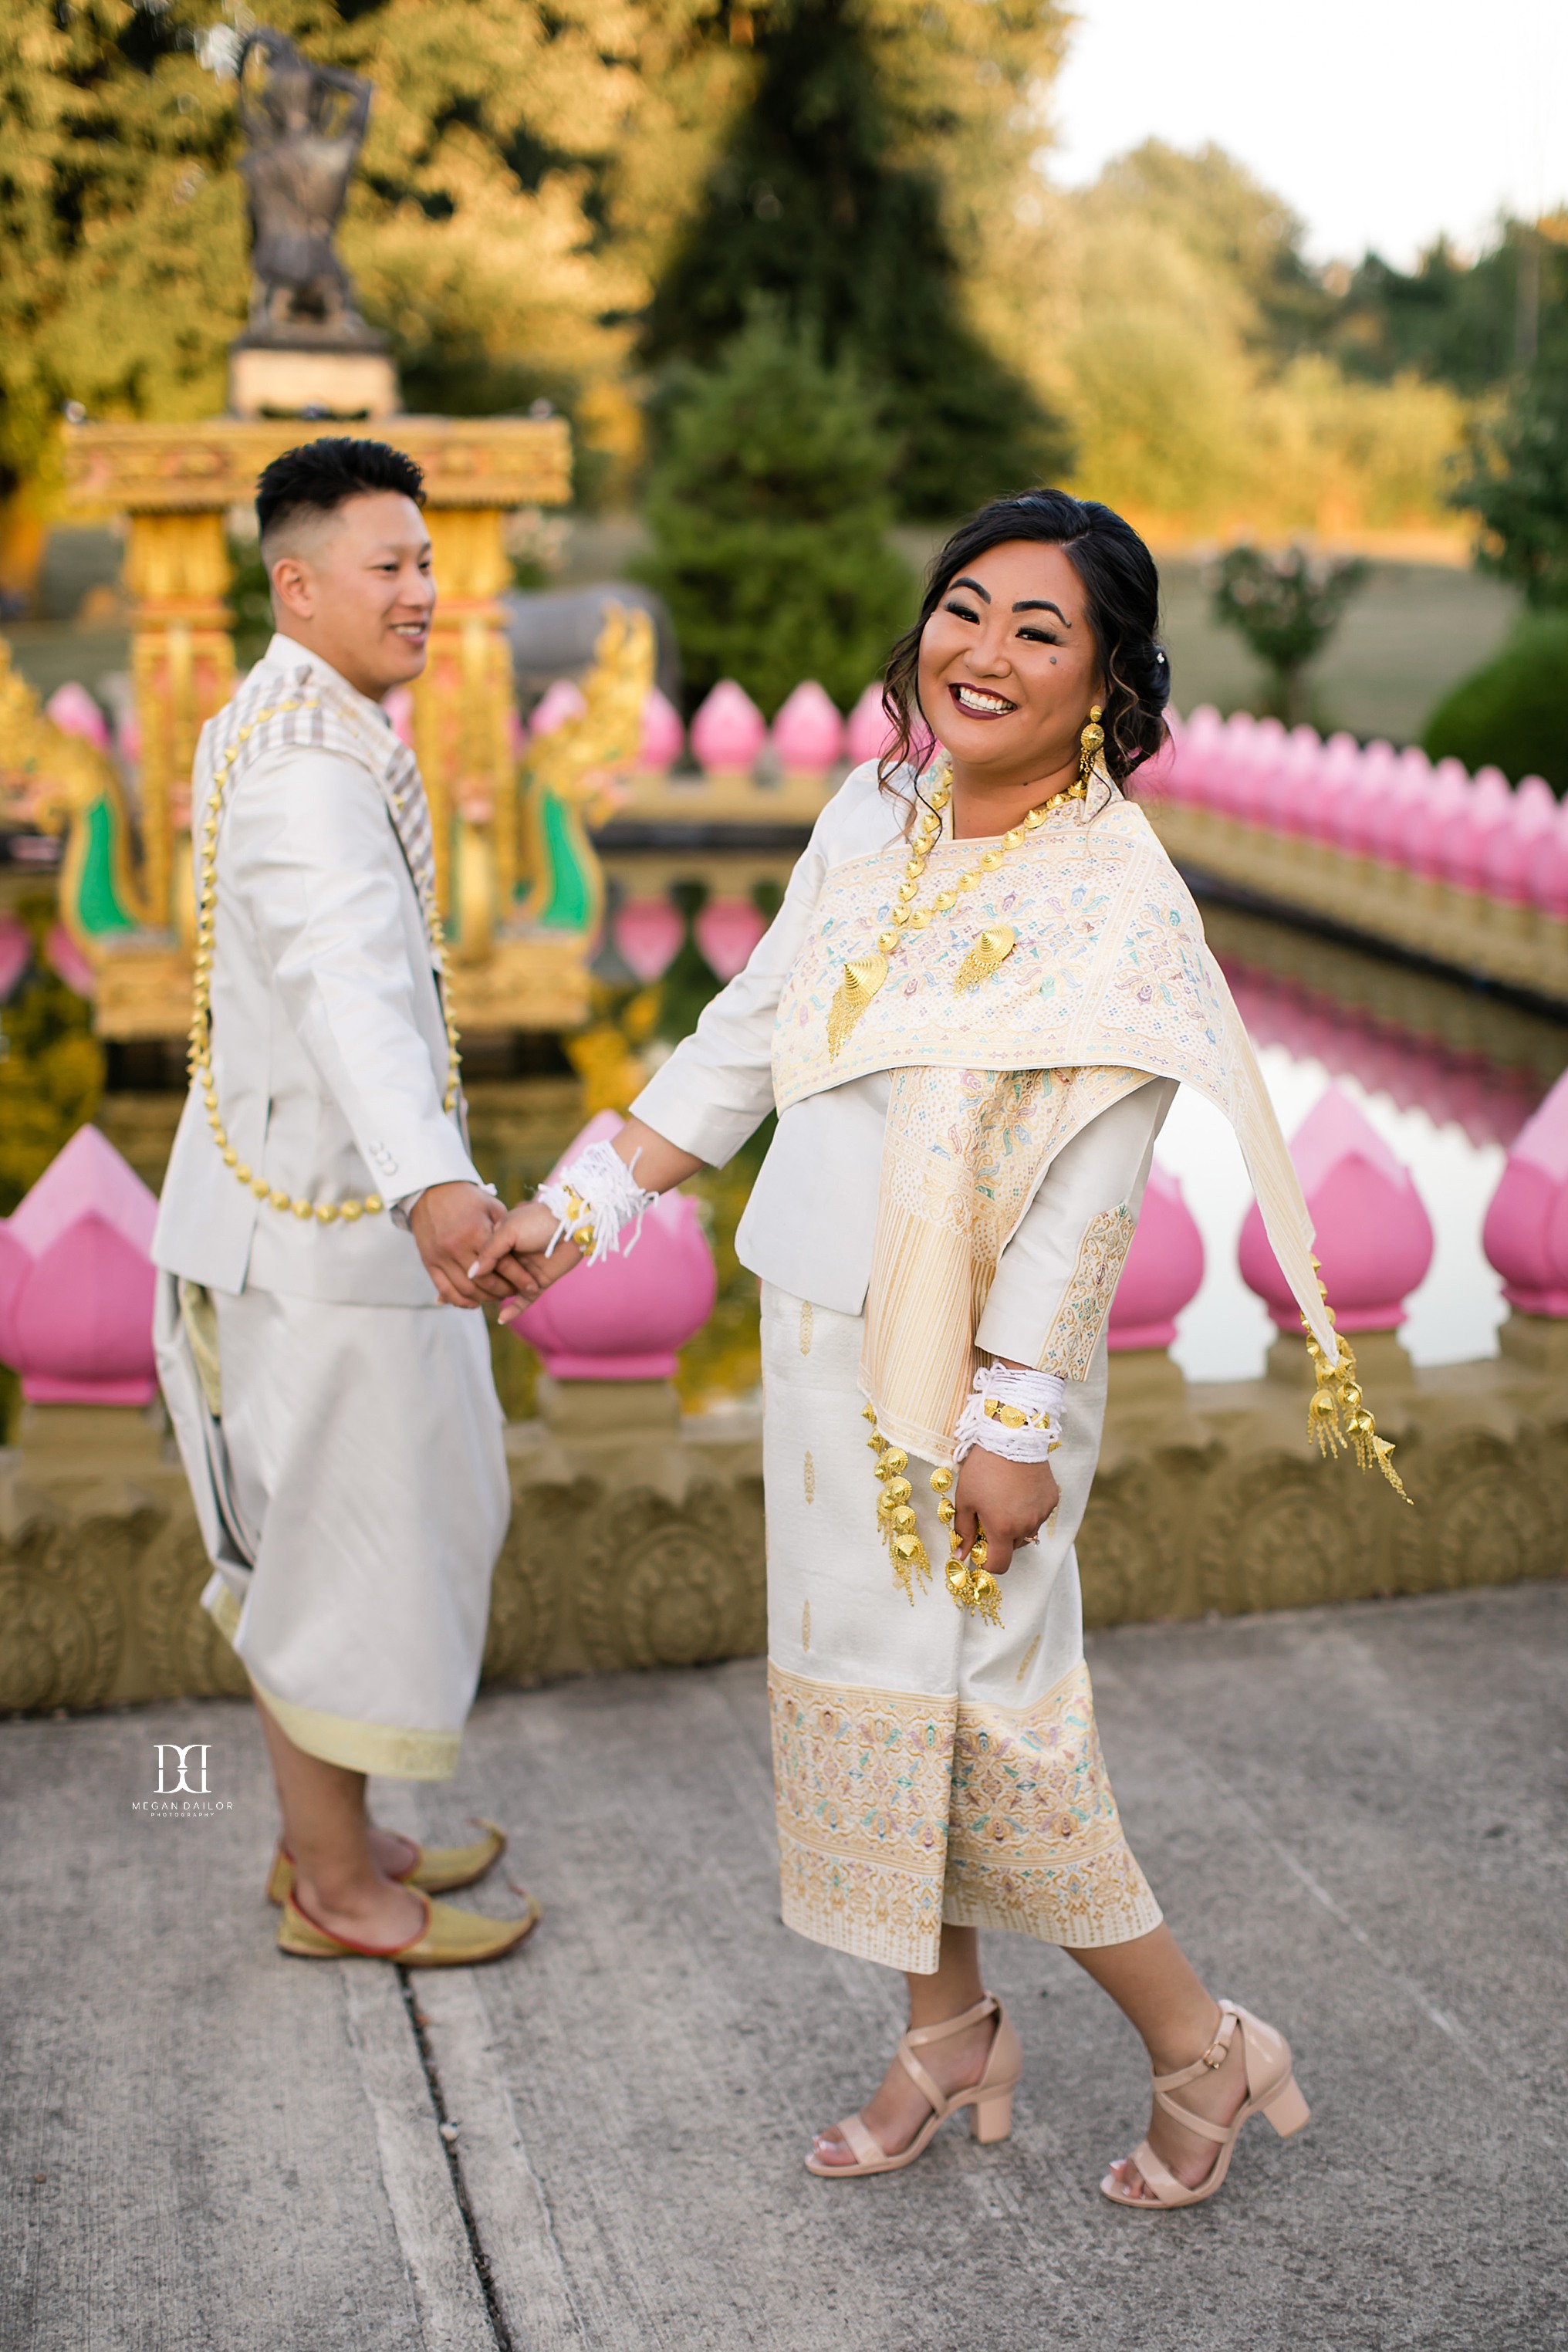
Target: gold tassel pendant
x,y
895,1517
1338,1419
989,953
969,1582
863,976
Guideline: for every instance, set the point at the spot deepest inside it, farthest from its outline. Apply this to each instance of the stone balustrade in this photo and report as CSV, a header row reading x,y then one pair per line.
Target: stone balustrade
x,y
636,1536
1463,870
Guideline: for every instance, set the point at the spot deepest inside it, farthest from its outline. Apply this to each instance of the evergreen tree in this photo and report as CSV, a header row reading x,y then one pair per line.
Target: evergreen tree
x,y
1518,483
818,204
769,511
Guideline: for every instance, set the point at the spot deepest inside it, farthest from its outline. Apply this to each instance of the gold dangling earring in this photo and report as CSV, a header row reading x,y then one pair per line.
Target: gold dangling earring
x,y
1091,742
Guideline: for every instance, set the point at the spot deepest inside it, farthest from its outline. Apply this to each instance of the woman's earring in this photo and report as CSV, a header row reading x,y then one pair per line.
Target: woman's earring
x,y
1091,742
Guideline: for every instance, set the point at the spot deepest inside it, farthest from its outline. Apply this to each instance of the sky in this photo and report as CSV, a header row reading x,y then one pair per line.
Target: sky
x,y
1382,122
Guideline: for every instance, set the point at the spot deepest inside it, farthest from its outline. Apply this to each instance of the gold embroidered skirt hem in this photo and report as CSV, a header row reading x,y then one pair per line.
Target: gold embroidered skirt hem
x,y
899,1811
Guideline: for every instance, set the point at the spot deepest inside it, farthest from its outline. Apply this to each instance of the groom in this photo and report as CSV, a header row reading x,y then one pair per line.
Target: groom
x,y
333,1405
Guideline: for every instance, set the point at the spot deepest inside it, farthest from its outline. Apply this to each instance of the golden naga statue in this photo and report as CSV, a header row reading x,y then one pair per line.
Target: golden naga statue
x,y
524,891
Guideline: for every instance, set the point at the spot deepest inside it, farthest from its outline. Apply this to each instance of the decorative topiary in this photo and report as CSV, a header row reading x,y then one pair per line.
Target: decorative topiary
x,y
1286,607
1513,714
769,512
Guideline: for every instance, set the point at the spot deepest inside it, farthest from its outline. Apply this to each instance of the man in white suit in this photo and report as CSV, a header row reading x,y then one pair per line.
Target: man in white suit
x,y
325,1368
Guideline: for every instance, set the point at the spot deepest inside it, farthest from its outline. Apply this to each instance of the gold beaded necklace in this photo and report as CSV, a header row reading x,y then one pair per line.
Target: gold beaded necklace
x,y
864,975
325,1213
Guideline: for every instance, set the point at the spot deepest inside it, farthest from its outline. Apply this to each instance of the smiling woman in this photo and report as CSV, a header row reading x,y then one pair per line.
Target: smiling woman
x,y
971,1015
1037,608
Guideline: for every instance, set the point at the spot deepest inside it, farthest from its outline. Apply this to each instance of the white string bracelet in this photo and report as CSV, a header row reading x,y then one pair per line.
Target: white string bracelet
x,y
596,1199
1011,1412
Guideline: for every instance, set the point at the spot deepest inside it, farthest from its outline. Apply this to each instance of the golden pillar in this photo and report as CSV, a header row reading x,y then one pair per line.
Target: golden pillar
x,y
175,483
463,707
182,663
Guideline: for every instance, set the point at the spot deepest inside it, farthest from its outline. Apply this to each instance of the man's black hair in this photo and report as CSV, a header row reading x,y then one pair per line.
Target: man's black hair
x,y
321,476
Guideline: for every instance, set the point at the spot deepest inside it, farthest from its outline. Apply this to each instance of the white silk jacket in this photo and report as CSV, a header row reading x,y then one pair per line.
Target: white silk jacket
x,y
810,1224
329,1043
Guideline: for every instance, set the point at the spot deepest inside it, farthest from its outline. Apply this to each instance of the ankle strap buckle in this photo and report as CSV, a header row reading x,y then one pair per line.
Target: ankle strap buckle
x,y
1217,2052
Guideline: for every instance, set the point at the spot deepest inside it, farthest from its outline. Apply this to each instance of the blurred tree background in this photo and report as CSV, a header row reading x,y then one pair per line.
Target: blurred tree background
x,y
583,201
769,510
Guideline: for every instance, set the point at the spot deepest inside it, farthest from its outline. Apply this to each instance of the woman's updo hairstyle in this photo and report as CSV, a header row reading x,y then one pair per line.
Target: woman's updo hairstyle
x,y
1121,590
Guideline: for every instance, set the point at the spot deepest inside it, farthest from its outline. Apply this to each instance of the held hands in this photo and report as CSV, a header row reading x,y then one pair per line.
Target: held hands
x,y
513,1257
1012,1500
450,1224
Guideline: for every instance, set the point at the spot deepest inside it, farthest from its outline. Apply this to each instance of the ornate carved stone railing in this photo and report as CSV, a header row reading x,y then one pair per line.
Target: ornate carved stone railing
x,y
636,1536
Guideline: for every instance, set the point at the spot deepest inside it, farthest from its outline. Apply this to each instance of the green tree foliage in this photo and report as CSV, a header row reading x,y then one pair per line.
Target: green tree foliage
x,y
1286,608
1176,321
1464,323
768,511
1518,483
1514,713
821,202
124,268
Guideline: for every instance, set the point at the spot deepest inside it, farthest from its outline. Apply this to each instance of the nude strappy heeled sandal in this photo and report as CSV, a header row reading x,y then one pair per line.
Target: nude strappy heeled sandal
x,y
1271,2091
991,2099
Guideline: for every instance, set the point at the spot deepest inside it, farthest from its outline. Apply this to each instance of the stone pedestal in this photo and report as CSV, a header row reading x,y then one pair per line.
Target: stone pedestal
x,y
352,383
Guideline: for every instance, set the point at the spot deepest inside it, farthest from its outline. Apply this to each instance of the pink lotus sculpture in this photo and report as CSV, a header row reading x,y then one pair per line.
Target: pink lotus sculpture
x,y
663,736
74,712
77,1281
1164,1269
1549,873
1512,848
68,962
399,708
808,734
648,932
727,931
727,733
15,953
869,730
556,705
1374,1238
1526,1231
628,1318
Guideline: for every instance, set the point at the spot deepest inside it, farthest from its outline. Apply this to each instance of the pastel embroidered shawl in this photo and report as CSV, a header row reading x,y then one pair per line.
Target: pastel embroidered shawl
x,y
1110,982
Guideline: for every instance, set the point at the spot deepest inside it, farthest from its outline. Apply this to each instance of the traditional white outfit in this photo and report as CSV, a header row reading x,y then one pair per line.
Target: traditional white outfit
x,y
958,1177
339,1425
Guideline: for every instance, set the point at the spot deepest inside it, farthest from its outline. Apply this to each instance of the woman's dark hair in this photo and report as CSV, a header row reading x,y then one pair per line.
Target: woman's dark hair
x,y
1121,592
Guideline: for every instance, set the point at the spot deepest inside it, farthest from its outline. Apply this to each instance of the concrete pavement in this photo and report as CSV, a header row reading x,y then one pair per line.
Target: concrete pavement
x,y
1354,1816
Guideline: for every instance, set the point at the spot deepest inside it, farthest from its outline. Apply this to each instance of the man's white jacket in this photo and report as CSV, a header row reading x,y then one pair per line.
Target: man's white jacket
x,y
329,1042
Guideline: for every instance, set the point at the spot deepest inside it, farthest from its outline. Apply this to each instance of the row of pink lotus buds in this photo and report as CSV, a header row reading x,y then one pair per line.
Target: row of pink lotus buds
x,y
77,1281
1435,821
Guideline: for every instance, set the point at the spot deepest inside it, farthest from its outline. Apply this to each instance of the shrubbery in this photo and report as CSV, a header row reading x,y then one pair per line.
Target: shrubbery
x,y
769,512
1513,714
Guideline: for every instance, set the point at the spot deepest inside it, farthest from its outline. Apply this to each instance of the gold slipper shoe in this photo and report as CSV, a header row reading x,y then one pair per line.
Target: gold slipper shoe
x,y
450,1938
435,1870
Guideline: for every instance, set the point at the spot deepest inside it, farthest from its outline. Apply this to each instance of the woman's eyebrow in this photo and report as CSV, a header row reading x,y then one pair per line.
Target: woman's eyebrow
x,y
1040,604
984,594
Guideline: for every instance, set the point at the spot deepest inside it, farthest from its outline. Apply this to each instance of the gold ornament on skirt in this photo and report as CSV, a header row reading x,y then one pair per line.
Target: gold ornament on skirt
x,y
968,1581
862,975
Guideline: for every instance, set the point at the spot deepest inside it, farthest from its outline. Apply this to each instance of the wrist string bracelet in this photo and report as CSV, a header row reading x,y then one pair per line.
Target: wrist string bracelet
x,y
593,1200
1012,1413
